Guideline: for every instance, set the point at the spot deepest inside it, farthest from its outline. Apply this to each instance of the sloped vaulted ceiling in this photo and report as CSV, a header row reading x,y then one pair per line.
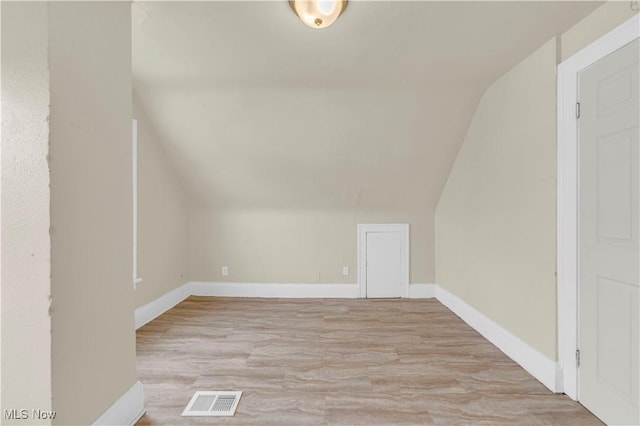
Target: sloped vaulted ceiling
x,y
258,110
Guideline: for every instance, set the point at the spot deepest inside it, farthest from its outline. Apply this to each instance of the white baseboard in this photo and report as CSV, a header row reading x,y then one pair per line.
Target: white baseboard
x,y
289,290
127,410
422,291
546,370
162,304
339,291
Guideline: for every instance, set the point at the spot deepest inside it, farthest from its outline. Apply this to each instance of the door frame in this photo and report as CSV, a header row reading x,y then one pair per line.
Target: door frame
x,y
363,229
567,194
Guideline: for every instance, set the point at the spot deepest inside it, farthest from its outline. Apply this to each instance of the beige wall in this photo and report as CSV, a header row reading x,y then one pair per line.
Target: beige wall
x,y
495,222
272,245
598,23
163,217
296,246
25,245
93,339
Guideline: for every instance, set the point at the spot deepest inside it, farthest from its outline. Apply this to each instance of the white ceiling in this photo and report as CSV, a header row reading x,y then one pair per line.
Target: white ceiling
x,y
258,110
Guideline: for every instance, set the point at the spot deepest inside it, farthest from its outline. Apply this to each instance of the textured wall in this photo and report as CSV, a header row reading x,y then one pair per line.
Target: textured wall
x,y
26,259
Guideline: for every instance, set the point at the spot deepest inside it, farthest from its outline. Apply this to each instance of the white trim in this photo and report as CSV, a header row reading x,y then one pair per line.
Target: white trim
x,y
567,193
422,291
127,410
162,304
363,229
538,365
284,290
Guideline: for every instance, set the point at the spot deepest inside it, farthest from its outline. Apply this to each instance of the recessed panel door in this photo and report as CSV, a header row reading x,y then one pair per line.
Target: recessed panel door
x,y
384,264
609,269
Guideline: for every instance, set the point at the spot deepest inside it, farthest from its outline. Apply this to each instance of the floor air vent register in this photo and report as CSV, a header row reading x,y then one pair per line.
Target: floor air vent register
x,y
209,403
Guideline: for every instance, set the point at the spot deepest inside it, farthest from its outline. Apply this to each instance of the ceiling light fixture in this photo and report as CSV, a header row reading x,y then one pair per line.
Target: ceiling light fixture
x,y
318,13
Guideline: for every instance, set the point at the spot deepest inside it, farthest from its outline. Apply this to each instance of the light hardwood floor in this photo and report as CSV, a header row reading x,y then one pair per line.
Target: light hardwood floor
x,y
337,362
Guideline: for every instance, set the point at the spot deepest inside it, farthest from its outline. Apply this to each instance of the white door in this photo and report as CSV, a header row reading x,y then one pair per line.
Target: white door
x,y
609,269
384,264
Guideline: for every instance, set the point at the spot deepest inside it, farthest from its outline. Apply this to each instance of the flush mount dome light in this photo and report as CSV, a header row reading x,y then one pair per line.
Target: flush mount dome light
x,y
318,13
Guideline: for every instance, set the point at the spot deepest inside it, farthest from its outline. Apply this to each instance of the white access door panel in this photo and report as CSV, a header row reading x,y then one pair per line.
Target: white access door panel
x,y
609,272
384,264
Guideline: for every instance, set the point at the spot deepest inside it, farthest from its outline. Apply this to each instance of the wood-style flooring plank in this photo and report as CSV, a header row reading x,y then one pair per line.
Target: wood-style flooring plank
x,y
338,362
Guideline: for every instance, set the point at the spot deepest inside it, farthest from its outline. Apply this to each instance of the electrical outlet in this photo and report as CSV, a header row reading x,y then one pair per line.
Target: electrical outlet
x,y
225,271
345,270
